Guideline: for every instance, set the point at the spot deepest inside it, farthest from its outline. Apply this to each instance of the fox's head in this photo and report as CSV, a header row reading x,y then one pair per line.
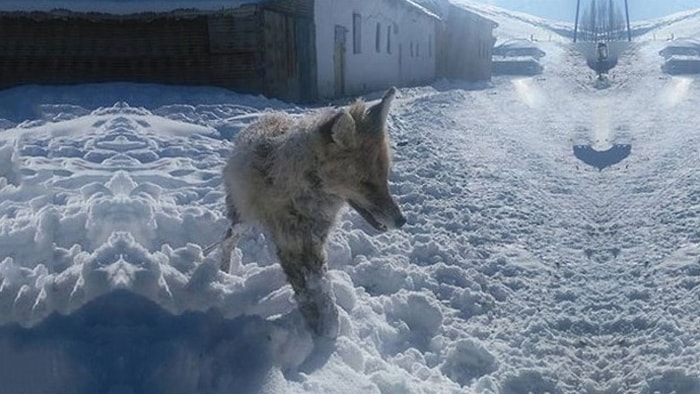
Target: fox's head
x,y
354,161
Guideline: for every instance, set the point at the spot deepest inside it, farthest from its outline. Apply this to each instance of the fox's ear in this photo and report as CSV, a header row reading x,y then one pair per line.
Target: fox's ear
x,y
340,129
380,111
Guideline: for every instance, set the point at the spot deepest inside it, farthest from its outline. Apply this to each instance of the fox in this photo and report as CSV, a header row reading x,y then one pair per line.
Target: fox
x,y
292,177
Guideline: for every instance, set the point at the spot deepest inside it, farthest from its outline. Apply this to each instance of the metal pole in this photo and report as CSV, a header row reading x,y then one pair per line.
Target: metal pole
x,y
578,7
629,31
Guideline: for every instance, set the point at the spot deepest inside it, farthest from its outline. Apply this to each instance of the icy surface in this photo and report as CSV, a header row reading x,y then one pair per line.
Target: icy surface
x,y
521,269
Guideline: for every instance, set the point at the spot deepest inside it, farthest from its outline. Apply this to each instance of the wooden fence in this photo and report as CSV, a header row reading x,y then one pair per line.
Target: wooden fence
x,y
265,49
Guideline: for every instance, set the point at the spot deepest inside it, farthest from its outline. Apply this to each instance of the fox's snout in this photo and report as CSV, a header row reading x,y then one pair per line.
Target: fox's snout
x,y
391,220
395,216
382,217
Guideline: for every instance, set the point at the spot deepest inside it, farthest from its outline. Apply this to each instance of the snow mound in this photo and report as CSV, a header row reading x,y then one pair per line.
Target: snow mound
x,y
114,198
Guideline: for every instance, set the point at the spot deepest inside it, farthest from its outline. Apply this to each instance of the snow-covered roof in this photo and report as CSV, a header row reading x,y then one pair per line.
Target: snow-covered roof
x,y
441,8
122,6
687,58
421,8
136,6
519,46
684,43
682,46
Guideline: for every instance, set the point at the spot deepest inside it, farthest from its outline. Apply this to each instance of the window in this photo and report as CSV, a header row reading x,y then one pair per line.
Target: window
x,y
378,39
356,33
388,39
411,48
418,49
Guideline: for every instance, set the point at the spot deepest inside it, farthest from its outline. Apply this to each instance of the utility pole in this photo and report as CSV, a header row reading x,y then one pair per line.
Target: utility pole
x,y
578,7
629,31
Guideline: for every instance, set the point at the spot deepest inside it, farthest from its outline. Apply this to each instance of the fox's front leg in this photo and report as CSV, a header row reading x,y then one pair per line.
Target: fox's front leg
x,y
228,243
305,268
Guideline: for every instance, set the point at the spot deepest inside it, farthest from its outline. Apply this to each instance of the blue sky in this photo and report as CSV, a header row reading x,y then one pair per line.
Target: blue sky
x,y
565,10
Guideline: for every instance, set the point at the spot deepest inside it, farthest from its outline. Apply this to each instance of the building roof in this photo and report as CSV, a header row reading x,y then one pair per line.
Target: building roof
x,y
121,7
443,8
518,47
684,43
421,8
681,46
517,43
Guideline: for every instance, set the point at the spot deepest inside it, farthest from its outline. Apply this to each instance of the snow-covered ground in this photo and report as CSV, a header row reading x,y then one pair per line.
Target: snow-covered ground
x,y
520,270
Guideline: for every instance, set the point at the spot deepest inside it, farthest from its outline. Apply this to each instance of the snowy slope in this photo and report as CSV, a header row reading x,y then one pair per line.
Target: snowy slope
x,y
520,270
680,24
513,24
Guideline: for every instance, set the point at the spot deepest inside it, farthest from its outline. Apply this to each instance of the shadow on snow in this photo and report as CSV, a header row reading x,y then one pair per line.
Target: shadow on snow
x,y
602,159
124,343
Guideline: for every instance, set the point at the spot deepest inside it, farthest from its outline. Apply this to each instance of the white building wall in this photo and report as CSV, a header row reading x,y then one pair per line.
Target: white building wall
x,y
417,31
370,69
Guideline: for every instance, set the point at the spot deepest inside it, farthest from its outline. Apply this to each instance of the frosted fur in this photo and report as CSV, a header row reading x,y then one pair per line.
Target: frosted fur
x,y
293,176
